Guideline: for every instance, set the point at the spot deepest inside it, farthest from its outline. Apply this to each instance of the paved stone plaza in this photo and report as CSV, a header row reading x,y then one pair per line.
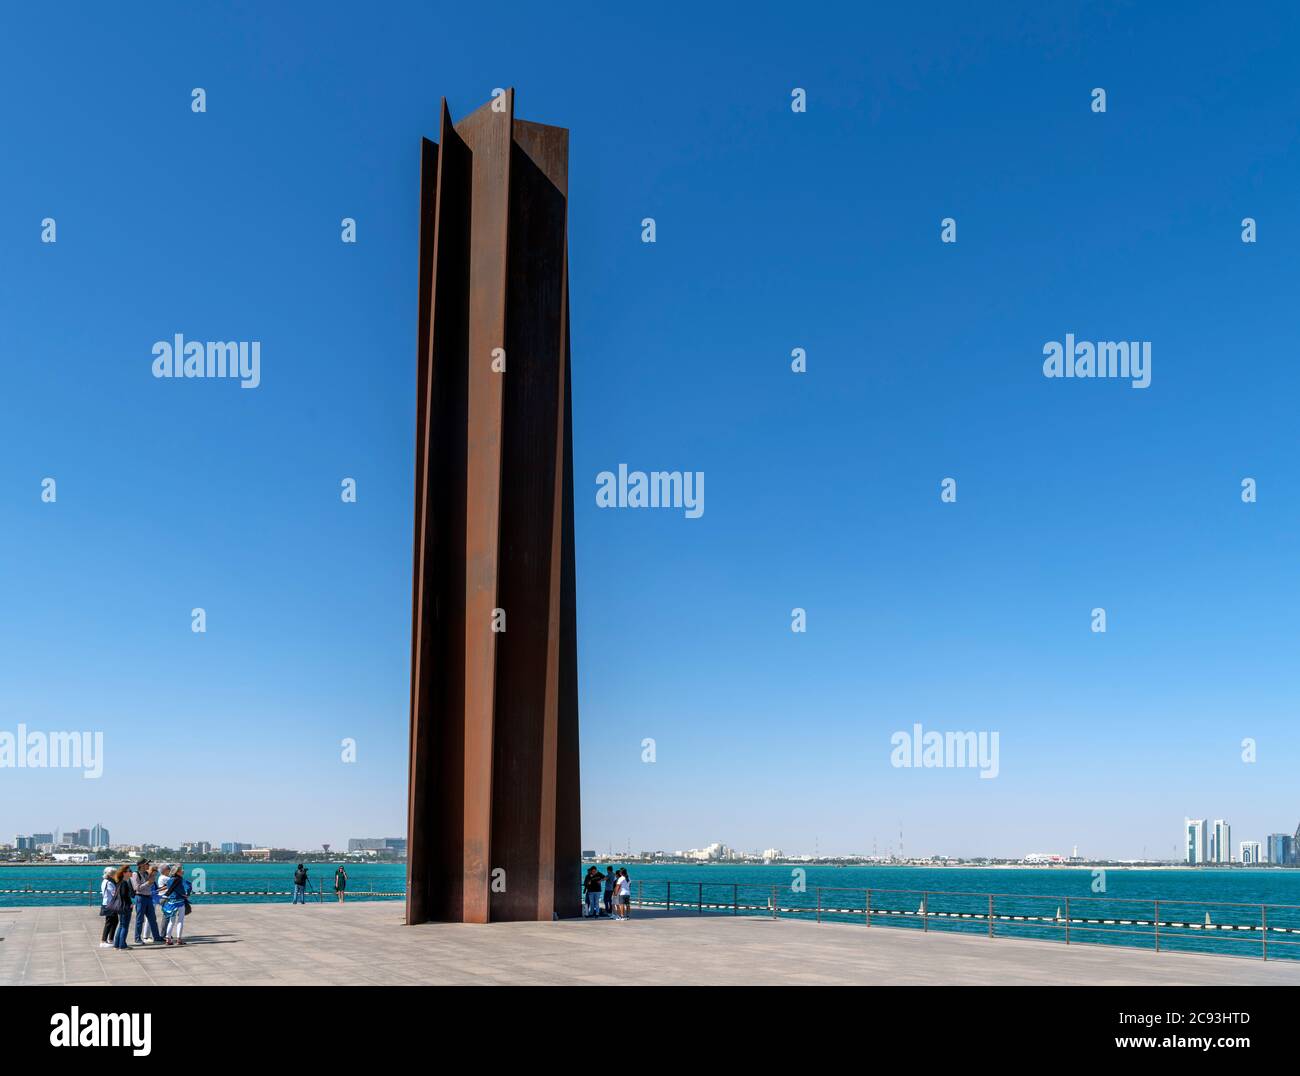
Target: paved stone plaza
x,y
280,944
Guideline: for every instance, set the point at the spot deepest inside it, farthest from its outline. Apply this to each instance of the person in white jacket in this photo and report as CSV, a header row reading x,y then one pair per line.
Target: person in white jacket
x,y
107,889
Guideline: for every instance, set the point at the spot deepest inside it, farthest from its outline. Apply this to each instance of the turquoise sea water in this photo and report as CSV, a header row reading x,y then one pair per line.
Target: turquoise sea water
x,y
1269,886
221,883
1236,885
1023,902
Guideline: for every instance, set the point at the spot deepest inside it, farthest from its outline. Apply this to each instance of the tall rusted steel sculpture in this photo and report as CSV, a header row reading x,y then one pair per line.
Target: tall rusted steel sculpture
x,y
493,828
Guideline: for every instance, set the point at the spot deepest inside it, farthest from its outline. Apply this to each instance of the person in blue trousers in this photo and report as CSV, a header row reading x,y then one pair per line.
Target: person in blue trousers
x,y
300,885
591,887
123,901
146,882
611,885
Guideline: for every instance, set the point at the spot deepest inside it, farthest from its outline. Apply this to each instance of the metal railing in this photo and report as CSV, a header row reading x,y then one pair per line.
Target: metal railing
x,y
318,892
1261,930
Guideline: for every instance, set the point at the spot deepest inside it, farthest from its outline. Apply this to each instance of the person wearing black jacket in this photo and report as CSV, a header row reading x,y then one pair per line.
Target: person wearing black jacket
x,y
123,902
300,885
591,886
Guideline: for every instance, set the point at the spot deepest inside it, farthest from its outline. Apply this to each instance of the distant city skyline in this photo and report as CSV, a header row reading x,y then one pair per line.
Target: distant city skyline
x,y
1206,843
99,837
1283,841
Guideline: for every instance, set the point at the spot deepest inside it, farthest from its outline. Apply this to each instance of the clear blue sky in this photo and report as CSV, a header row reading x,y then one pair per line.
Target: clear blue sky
x,y
775,230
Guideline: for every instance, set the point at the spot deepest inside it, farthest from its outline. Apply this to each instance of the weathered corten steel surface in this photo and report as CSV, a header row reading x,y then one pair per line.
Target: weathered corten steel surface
x,y
494,793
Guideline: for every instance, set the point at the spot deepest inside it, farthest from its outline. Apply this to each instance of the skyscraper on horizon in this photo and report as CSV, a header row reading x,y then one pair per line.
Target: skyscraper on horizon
x,y
1221,842
1281,849
1195,841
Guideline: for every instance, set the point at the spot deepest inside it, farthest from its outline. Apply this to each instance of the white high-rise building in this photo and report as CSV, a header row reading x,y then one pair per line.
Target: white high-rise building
x,y
1251,852
1195,839
1221,842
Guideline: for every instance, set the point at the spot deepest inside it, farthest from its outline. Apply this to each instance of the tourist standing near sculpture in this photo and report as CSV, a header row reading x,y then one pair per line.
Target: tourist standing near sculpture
x,y
107,891
123,902
611,883
176,904
145,877
300,885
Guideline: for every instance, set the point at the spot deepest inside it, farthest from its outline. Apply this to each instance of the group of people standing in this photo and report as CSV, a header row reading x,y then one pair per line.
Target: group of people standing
x,y
149,886
301,882
617,893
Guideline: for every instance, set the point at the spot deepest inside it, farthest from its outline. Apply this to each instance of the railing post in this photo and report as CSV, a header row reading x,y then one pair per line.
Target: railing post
x,y
640,895
1157,918
774,915
925,911
735,899
1263,922
819,904
868,907
1067,920
990,915
699,900
668,898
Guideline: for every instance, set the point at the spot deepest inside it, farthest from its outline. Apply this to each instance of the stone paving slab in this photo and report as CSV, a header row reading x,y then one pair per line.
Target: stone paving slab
x,y
369,943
